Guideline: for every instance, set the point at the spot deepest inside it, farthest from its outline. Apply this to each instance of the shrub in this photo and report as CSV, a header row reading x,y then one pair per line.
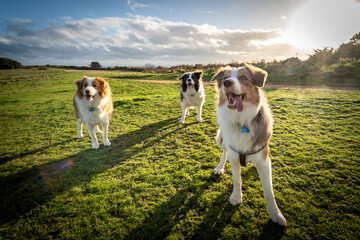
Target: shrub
x,y
346,67
7,63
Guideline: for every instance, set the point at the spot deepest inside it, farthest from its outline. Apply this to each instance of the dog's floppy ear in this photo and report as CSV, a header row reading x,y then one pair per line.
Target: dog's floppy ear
x,y
182,76
104,87
198,74
79,83
257,75
219,76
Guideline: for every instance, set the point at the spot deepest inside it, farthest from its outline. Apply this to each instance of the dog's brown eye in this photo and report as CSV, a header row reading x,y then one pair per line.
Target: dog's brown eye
x,y
243,78
94,85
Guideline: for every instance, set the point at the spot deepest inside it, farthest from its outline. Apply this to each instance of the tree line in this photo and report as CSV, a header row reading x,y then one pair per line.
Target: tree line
x,y
343,62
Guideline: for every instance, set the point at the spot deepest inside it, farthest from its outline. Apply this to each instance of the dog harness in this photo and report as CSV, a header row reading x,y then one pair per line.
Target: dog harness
x,y
243,155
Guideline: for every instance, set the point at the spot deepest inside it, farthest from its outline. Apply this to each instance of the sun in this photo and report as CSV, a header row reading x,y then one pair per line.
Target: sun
x,y
323,23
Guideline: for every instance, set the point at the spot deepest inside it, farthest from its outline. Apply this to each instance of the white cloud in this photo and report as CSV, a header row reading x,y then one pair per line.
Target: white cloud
x,y
205,12
137,40
22,21
134,5
66,18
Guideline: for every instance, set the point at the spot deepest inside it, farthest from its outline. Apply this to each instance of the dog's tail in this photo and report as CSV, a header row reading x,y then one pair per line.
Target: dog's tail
x,y
218,139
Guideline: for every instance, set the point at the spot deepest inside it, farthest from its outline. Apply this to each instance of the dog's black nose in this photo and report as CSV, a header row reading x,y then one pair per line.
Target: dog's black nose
x,y
87,91
228,83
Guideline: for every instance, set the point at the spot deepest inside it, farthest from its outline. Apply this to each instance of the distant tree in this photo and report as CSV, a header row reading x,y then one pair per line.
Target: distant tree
x,y
149,65
322,58
7,63
355,39
350,49
95,65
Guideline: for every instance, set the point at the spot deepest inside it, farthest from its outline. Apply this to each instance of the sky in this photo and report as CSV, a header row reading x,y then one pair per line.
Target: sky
x,y
168,32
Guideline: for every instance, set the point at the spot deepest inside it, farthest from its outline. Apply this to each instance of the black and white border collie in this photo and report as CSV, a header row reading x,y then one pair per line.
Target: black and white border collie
x,y
192,94
245,128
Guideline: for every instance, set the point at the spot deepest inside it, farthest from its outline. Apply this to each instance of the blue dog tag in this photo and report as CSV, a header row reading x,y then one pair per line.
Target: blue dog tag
x,y
244,129
91,109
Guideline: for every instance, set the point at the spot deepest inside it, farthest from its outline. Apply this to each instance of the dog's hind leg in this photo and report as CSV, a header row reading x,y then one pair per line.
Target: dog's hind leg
x,y
220,168
264,169
198,112
97,130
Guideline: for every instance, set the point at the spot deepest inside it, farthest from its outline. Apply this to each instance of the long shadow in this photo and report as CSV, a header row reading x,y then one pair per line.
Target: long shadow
x,y
9,157
21,192
166,216
272,231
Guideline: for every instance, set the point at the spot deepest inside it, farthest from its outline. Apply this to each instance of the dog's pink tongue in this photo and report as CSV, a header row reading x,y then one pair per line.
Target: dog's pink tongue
x,y
239,104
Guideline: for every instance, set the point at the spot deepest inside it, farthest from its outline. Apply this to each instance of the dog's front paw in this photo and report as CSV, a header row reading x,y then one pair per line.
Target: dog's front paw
x,y
107,143
95,146
219,171
200,120
278,218
80,136
235,199
181,121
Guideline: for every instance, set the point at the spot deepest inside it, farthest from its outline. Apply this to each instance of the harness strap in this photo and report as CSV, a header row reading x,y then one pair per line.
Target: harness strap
x,y
243,155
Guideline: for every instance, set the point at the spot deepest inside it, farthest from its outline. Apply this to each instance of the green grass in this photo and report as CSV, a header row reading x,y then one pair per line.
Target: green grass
x,y
155,181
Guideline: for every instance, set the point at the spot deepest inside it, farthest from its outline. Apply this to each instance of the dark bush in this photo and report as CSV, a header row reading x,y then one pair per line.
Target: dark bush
x,y
6,63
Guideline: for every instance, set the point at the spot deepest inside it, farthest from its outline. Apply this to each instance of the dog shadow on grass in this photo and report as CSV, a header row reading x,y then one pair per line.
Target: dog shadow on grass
x,y
174,216
25,190
9,157
168,217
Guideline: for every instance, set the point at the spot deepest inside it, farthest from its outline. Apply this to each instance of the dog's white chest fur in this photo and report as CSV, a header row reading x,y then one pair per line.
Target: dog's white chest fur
x,y
92,112
193,98
231,123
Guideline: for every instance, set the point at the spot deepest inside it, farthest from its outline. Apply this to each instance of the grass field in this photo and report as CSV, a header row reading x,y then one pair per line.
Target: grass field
x,y
155,181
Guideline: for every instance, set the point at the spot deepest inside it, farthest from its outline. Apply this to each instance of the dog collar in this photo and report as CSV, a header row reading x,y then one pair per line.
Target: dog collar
x,y
91,109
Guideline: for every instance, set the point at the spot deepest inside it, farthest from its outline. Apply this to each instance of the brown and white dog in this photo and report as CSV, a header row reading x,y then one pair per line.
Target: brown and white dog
x,y
192,94
245,127
93,106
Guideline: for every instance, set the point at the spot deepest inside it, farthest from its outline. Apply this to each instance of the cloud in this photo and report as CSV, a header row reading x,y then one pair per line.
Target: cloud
x,y
205,12
66,18
137,40
134,5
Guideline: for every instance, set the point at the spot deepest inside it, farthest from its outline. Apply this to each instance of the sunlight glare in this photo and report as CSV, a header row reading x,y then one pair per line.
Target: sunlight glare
x,y
323,23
